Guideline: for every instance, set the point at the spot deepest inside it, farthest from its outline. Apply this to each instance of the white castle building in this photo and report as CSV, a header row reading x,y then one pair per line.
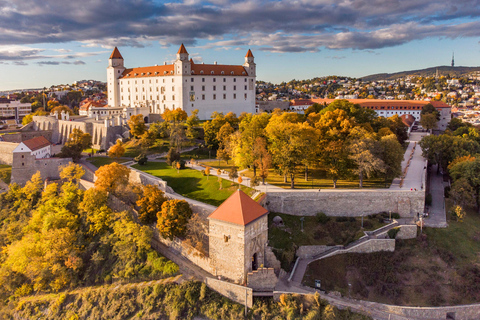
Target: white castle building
x,y
183,84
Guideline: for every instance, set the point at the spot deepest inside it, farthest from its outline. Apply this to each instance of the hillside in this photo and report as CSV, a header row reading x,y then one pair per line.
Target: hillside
x,y
428,72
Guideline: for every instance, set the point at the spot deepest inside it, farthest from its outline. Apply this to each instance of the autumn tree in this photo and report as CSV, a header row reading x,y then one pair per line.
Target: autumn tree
x,y
390,151
176,129
29,117
191,122
362,152
76,143
110,176
173,218
137,126
233,173
117,150
71,172
58,109
462,193
212,127
224,144
150,203
428,121
98,214
263,159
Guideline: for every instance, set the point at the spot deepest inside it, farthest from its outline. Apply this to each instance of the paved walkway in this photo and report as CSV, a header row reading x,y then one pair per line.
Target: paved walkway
x,y
416,168
437,216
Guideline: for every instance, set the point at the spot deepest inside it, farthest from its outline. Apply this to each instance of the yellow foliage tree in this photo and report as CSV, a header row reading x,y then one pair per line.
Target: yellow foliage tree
x,y
172,220
71,172
117,150
110,176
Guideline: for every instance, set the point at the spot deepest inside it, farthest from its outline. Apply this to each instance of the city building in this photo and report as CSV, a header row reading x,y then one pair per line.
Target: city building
x,y
182,84
39,147
11,109
388,108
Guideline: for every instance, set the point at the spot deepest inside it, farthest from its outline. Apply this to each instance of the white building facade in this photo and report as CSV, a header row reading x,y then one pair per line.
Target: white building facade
x,y
14,109
183,84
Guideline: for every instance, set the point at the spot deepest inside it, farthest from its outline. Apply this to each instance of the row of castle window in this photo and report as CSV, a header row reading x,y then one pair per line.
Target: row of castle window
x,y
192,88
173,97
191,80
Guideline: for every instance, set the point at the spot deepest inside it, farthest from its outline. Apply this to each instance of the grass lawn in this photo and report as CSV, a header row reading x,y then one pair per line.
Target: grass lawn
x,y
192,184
440,267
317,178
335,231
133,148
219,164
5,173
101,161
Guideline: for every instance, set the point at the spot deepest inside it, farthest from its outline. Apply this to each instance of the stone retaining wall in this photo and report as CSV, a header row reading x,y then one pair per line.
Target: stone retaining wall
x,y
368,246
137,176
306,252
6,152
349,203
262,279
235,292
407,232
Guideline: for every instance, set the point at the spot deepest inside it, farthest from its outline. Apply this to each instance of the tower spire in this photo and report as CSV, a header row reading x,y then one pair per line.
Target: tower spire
x,y
453,59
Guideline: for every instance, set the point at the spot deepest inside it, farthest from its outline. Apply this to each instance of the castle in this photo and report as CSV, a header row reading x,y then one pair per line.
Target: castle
x,y
182,84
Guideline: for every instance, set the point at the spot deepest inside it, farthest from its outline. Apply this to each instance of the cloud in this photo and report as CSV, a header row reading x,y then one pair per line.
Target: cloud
x,y
275,26
20,63
21,53
48,63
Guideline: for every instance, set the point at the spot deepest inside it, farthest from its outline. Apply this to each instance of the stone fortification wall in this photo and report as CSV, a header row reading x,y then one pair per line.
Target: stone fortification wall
x,y
6,152
372,245
407,232
48,168
347,202
271,260
137,176
20,136
262,279
89,174
85,184
306,252
184,250
239,294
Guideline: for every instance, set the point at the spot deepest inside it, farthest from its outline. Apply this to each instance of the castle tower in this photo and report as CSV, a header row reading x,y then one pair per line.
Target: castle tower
x,y
250,63
238,235
182,64
114,71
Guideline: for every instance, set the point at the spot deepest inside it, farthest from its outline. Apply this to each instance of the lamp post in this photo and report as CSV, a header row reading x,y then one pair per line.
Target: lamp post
x,y
301,221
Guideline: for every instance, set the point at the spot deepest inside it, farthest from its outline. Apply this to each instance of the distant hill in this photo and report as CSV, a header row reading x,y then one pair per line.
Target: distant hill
x,y
428,72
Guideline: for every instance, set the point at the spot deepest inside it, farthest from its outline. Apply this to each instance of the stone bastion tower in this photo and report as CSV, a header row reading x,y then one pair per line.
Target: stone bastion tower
x,y
238,234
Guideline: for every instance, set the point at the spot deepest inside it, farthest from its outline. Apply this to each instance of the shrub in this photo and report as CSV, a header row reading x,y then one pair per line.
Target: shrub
x,y
428,199
447,191
395,215
322,218
392,233
341,219
141,159
172,156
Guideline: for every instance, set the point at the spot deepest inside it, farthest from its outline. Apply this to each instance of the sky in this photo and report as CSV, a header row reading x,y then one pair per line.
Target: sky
x,y
50,42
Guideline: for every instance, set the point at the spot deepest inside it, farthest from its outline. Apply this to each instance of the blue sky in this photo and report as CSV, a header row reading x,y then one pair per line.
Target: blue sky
x,y
46,42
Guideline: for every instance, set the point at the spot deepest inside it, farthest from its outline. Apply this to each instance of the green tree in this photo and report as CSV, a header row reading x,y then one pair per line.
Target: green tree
x,y
391,153
462,193
173,218
224,142
429,121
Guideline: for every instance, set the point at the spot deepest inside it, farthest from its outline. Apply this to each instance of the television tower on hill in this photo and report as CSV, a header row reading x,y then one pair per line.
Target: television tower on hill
x,y
453,59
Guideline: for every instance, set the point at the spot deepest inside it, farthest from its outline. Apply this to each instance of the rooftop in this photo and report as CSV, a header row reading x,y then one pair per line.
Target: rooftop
x,y
37,143
239,209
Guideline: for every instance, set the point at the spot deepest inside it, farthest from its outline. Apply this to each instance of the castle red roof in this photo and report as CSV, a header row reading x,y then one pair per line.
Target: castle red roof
x,y
116,54
36,143
249,54
182,49
239,209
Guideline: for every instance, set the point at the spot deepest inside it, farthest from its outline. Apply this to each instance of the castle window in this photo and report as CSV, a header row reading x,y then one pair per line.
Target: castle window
x,y
173,88
143,75
243,72
191,79
224,96
224,79
245,80
214,97
223,72
234,79
171,72
191,88
23,156
231,73
224,88
173,79
245,87
173,97
23,164
193,72
214,79
203,88
203,79
201,71
234,96
164,72
214,88
245,96
211,72
203,97
234,87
